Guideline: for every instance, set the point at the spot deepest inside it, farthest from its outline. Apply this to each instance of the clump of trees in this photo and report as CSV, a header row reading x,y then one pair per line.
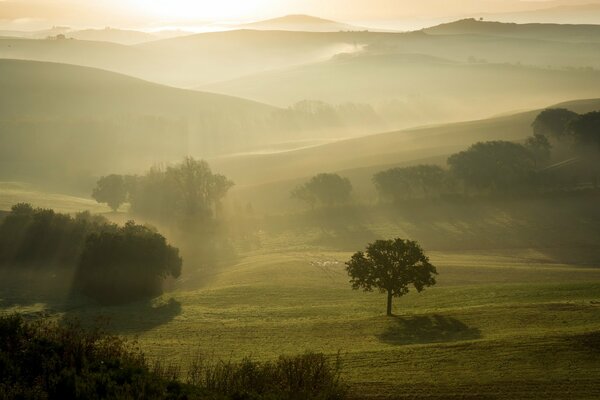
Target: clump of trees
x,y
324,190
185,191
496,166
111,263
405,183
43,359
392,267
126,263
37,237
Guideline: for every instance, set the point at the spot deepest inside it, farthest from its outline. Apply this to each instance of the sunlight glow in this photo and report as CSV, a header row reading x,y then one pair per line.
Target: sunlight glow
x,y
205,9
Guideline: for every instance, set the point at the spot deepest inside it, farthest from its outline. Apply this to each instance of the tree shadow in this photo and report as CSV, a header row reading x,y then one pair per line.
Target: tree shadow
x,y
427,329
133,318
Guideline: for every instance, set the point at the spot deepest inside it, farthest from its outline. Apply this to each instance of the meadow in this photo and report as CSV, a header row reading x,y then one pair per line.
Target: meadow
x,y
502,323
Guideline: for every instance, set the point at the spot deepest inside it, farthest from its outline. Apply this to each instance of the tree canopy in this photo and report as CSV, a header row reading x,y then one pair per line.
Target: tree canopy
x,y
392,267
324,189
185,191
553,123
126,264
111,190
403,183
495,166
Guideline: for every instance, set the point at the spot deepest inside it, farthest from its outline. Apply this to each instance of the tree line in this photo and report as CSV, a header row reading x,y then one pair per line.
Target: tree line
x,y
563,151
186,191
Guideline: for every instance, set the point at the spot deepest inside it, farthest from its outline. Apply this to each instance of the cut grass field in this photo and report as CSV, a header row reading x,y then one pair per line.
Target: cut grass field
x,y
502,327
504,323
12,193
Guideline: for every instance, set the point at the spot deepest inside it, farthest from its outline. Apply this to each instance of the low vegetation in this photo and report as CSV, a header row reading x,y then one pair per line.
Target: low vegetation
x,y
43,359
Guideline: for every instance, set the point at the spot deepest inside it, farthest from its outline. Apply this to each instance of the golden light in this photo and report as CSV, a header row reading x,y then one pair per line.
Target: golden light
x,y
203,9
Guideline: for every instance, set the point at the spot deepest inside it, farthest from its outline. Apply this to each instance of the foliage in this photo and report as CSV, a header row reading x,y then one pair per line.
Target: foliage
x,y
539,146
402,183
391,266
189,191
325,189
586,130
111,190
42,359
46,360
553,123
307,376
497,166
127,263
39,237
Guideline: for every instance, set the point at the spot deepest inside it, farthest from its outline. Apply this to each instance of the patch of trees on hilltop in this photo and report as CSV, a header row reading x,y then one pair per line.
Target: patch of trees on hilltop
x,y
562,154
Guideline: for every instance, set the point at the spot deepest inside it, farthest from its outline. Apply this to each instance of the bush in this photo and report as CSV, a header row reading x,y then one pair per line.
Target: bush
x,y
126,264
307,376
45,360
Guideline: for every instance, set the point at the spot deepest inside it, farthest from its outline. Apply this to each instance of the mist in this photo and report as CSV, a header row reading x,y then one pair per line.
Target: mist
x,y
292,200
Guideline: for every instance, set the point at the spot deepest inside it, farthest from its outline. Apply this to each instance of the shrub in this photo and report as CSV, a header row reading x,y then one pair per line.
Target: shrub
x,y
47,360
40,360
126,264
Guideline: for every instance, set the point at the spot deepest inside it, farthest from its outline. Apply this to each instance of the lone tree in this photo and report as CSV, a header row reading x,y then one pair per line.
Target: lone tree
x,y
391,266
112,190
326,189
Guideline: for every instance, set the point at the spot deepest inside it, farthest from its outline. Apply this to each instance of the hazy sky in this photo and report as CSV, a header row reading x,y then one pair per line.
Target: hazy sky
x,y
146,13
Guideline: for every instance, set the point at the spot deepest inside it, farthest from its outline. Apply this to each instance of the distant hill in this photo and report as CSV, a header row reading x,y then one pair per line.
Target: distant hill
x,y
304,23
126,37
195,60
268,183
414,89
61,123
561,14
540,31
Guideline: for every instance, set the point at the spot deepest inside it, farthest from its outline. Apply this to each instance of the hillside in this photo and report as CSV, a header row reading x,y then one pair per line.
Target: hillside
x,y
120,36
196,60
304,23
414,89
541,31
107,122
559,14
272,176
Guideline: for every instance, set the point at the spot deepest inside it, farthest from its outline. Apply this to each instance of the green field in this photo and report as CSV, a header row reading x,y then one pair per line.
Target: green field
x,y
502,323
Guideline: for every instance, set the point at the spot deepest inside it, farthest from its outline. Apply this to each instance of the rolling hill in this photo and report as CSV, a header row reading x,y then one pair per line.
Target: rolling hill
x,y
62,122
196,60
540,31
268,183
414,89
305,23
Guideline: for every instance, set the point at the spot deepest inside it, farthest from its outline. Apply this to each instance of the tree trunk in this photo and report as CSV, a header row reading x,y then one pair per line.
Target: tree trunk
x,y
389,303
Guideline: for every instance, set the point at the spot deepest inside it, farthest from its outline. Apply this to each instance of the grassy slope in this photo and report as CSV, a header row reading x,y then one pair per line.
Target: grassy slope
x,y
559,32
108,122
432,82
12,193
508,319
200,59
268,183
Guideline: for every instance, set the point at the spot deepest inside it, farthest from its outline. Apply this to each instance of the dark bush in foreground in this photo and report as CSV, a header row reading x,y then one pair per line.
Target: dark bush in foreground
x,y
44,360
308,376
126,264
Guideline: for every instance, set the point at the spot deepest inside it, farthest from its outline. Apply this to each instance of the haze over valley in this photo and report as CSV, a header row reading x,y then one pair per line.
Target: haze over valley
x,y
299,199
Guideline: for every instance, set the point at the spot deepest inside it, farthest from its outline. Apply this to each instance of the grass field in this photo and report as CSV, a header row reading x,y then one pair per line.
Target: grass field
x,y
505,323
